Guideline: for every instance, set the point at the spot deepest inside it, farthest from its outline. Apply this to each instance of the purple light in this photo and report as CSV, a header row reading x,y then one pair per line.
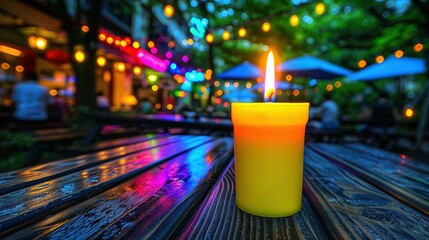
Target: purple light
x,y
152,61
153,50
185,58
169,55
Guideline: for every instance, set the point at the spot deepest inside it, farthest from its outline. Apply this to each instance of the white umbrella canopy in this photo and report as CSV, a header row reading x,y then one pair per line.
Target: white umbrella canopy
x,y
390,68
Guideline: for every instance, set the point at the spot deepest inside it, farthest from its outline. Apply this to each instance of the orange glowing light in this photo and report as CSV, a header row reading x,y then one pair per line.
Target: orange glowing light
x,y
209,38
399,53
109,40
216,83
85,28
296,92
102,36
409,113
294,20
248,85
236,84
320,8
269,93
226,35
362,63
288,77
379,59
168,11
418,47
329,87
266,27
150,44
242,32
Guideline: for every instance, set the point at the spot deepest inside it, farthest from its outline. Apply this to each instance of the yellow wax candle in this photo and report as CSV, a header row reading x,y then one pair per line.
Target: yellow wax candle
x,y
269,153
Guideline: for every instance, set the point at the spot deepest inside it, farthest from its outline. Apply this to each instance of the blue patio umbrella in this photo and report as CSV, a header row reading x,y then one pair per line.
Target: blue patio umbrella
x,y
312,67
391,67
243,71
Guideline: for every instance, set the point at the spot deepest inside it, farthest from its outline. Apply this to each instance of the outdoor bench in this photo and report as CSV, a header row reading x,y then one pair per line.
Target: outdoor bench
x,y
168,186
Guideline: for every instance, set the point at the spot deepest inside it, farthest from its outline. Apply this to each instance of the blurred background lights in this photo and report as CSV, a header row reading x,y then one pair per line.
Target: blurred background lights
x,y
168,11
242,32
209,38
101,61
379,59
320,8
152,78
266,27
226,35
79,55
150,44
399,53
409,112
362,63
294,20
418,47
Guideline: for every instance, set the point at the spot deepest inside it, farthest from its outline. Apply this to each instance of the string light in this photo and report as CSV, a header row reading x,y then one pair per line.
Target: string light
x,y
242,32
418,47
168,11
362,63
294,20
266,27
320,8
101,61
226,35
209,38
379,59
399,53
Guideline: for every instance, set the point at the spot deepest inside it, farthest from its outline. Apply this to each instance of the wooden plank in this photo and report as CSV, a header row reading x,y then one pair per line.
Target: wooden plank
x,y
219,218
12,181
396,174
350,208
151,205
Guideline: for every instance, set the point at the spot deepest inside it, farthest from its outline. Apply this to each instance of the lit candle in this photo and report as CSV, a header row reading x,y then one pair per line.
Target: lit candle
x,y
269,153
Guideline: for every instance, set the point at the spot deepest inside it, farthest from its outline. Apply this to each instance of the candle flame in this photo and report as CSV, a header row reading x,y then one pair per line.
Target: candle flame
x,y
269,93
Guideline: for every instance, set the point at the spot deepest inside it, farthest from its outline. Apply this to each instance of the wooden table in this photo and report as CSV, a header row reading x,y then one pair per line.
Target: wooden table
x,y
165,121
182,187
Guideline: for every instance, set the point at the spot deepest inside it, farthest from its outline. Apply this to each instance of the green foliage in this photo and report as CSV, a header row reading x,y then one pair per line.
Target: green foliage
x,y
14,147
79,118
10,139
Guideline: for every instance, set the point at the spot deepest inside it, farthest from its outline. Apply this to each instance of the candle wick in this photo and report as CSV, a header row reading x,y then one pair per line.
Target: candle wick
x,y
270,97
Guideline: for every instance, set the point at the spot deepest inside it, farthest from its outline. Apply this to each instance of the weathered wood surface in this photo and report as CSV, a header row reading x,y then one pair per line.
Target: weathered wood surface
x,y
15,180
219,218
351,208
182,187
140,195
396,174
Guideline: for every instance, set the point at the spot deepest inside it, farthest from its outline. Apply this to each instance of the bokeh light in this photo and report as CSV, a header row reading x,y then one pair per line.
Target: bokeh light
x,y
294,20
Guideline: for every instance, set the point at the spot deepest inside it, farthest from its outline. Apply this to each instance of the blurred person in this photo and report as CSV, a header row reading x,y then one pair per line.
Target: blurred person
x,y
58,108
103,102
326,116
31,100
146,106
382,118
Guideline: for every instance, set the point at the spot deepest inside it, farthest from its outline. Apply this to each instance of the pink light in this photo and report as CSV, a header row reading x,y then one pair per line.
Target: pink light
x,y
153,50
152,61
169,55
185,58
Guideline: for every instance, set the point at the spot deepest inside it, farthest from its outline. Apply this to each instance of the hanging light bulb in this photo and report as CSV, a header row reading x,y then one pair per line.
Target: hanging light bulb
x,y
242,32
168,11
226,35
101,61
266,27
209,38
